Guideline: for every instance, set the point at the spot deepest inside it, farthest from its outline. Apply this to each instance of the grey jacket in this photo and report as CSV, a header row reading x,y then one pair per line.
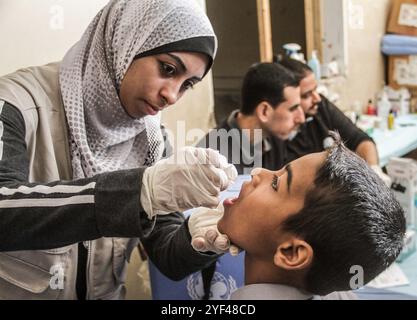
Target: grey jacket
x,y
44,213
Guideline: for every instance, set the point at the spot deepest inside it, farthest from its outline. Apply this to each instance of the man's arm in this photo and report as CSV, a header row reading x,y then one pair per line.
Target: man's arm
x,y
169,248
354,138
367,150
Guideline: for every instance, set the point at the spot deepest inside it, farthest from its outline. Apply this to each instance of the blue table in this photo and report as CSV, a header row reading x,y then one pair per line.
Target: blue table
x,y
407,292
398,142
409,266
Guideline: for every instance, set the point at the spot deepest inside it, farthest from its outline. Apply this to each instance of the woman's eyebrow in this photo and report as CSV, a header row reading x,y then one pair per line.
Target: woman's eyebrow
x,y
179,61
182,66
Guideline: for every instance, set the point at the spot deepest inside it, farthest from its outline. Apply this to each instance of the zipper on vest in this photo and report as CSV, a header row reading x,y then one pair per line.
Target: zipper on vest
x,y
88,246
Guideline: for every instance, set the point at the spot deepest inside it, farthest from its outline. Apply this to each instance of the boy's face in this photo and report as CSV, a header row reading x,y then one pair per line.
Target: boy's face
x,y
253,220
287,116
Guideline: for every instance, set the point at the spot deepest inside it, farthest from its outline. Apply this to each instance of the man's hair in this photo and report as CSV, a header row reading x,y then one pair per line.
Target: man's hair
x,y
350,218
300,70
265,82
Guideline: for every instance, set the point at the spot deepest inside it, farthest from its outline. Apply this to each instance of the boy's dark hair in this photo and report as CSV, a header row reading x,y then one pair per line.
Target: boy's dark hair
x,y
350,218
299,69
265,82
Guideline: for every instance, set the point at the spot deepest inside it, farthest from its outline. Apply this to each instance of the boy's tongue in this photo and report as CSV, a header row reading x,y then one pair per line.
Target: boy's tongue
x,y
229,202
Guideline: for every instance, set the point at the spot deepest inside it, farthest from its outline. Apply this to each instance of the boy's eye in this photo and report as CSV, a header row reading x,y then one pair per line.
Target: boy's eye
x,y
274,183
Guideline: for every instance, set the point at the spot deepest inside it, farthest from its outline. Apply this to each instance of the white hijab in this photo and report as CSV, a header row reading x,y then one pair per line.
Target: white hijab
x,y
103,136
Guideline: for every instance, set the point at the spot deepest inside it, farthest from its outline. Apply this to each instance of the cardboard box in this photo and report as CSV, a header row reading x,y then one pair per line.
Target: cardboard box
x,y
409,245
403,17
402,72
403,172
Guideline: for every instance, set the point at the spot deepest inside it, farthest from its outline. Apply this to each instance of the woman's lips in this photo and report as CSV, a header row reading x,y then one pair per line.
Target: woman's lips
x,y
151,110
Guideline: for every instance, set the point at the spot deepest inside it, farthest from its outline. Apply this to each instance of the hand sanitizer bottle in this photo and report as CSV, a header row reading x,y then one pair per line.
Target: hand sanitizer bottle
x,y
315,65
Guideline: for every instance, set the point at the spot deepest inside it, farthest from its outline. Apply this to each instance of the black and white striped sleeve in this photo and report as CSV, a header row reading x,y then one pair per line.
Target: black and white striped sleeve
x,y
44,216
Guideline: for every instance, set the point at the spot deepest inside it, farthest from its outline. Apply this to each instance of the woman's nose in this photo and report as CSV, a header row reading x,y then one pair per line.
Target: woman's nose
x,y
170,94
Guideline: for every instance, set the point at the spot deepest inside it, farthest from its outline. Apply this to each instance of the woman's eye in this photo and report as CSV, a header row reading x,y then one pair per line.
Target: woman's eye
x,y
188,85
168,69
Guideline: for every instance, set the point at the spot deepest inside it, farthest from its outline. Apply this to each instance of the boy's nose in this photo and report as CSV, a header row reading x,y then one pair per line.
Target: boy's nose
x,y
256,171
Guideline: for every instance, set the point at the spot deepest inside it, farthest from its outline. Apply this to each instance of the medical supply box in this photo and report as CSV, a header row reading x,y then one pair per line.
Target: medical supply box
x,y
403,173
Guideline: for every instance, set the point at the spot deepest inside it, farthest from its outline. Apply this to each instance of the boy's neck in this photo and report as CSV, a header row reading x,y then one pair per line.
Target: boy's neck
x,y
259,271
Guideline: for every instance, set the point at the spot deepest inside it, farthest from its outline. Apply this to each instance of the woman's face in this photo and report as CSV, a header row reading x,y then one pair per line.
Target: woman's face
x,y
156,82
253,220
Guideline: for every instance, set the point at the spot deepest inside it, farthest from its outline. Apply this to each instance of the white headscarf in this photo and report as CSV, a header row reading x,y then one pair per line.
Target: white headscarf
x,y
103,136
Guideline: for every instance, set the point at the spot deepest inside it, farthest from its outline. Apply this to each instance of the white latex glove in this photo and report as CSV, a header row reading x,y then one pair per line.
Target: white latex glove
x,y
204,233
382,175
191,178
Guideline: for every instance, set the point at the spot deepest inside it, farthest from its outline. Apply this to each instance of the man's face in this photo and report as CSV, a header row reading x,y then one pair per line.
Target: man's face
x,y
156,82
253,220
287,116
309,95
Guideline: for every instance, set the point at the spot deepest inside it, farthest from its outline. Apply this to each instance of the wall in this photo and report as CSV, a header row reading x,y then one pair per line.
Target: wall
x,y
366,25
38,32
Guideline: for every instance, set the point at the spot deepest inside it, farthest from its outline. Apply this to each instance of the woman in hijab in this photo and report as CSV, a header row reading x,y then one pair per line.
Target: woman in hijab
x,y
80,171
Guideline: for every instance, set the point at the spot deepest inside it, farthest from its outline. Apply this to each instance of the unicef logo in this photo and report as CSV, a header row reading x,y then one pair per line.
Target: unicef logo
x,y
221,287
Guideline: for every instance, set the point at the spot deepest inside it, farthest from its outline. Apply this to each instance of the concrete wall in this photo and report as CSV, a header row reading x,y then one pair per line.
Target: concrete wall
x,y
365,70
38,32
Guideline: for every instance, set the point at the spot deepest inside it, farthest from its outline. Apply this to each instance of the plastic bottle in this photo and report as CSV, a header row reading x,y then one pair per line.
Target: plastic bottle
x,y
314,64
383,108
405,99
370,108
292,51
391,120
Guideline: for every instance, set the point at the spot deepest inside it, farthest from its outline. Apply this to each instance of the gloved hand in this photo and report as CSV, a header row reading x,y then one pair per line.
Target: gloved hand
x,y
204,233
382,175
191,178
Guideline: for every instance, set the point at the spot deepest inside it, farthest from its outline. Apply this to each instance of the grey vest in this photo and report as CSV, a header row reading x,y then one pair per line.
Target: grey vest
x,y
51,274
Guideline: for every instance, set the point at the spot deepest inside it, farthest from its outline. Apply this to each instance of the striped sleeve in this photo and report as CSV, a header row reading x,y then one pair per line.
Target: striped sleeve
x,y
44,216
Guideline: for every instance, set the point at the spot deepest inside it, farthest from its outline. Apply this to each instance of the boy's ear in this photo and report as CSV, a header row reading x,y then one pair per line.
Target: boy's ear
x,y
264,111
294,254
